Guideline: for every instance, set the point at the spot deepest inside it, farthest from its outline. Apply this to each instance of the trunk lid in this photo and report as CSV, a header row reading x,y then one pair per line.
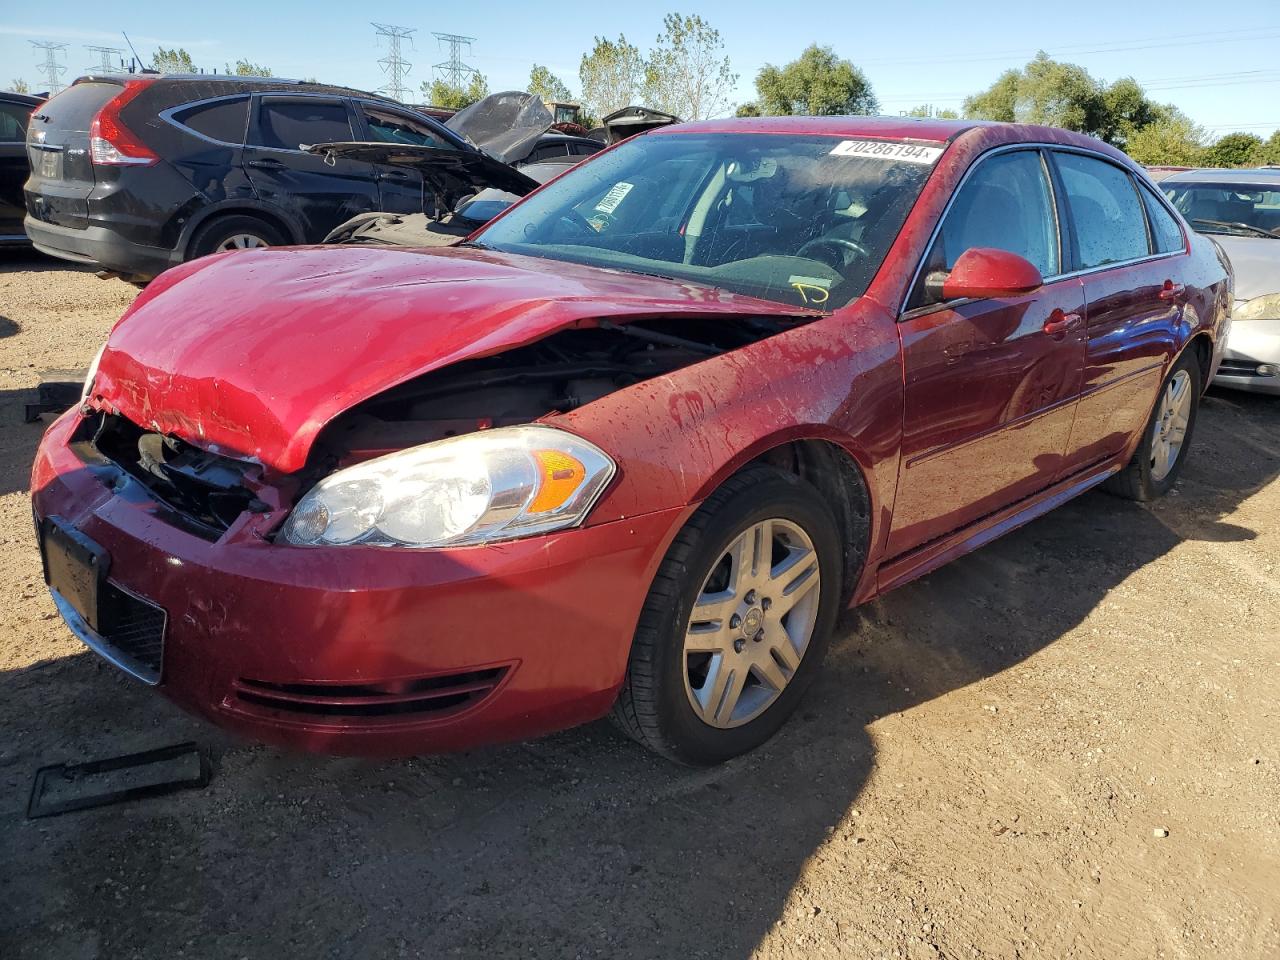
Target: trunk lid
x,y
249,354
62,173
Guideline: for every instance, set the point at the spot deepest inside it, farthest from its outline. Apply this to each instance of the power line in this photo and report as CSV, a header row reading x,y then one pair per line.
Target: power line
x,y
454,70
394,65
105,57
51,68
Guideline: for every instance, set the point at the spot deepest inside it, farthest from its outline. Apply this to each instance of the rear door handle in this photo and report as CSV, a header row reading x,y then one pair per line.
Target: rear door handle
x,y
393,175
1171,290
1059,323
267,164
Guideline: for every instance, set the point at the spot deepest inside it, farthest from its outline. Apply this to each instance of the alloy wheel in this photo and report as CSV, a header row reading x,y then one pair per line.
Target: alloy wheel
x,y
241,241
751,623
1170,427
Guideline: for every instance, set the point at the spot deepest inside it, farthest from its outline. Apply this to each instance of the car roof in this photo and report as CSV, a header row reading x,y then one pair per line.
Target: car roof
x,y
1260,175
23,98
890,128
249,84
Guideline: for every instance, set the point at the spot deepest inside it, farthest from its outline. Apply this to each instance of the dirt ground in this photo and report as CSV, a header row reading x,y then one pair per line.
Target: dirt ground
x,y
980,772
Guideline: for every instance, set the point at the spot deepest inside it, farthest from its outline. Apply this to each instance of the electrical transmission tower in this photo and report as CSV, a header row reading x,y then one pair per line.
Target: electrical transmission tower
x,y
454,71
107,59
394,65
51,68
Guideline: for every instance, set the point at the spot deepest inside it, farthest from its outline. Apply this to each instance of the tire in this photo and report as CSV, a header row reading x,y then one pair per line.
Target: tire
x,y
221,232
658,704
1149,474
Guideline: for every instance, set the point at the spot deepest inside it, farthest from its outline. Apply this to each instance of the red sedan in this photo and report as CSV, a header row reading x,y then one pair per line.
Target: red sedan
x,y
631,447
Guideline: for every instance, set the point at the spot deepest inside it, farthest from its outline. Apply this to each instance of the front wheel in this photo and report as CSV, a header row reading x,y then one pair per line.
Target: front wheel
x,y
737,621
1163,449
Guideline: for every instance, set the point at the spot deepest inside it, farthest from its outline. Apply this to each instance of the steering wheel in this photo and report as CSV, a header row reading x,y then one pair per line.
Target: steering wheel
x,y
842,246
574,218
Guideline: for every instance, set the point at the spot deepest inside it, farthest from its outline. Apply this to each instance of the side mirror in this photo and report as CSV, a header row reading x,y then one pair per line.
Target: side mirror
x,y
982,272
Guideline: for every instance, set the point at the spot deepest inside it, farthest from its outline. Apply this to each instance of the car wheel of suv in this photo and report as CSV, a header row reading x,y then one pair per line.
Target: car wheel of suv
x,y
737,621
1158,460
233,233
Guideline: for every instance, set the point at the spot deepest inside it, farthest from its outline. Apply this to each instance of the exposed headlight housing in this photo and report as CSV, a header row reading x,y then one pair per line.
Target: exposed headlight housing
x,y
92,375
1265,307
487,486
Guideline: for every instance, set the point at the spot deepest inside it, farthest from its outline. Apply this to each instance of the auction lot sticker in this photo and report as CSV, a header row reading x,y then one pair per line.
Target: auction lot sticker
x,y
887,150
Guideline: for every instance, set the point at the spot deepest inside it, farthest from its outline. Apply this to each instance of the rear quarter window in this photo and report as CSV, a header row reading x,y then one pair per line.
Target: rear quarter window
x,y
1166,235
223,120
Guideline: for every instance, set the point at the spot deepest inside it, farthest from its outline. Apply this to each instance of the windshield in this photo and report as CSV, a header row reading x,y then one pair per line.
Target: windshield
x,y
805,221
1242,209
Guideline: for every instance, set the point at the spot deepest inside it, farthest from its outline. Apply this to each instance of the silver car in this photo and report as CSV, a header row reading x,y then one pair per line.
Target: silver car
x,y
1241,208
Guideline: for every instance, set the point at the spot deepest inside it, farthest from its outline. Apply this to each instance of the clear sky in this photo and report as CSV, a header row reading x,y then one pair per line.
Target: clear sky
x,y
1222,70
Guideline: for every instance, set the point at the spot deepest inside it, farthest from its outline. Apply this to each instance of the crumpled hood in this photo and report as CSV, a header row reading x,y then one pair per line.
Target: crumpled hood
x,y
250,353
1256,263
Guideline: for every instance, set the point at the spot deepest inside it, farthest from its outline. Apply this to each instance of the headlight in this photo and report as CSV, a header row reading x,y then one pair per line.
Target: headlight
x,y
92,375
492,485
1266,307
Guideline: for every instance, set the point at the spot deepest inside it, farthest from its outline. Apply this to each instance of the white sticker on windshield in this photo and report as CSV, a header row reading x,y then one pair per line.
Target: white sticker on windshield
x,y
887,150
614,197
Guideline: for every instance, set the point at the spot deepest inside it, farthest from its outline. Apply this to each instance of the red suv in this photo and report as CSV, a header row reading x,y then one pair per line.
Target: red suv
x,y
632,446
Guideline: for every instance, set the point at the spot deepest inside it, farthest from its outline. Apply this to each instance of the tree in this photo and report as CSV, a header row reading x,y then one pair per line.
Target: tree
x,y
545,84
747,110
1235,150
19,86
1171,140
818,83
245,68
611,76
687,73
926,110
442,93
176,60
1271,149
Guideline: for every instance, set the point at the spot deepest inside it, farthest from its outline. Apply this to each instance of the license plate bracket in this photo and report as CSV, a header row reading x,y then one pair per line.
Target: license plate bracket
x,y
50,165
75,566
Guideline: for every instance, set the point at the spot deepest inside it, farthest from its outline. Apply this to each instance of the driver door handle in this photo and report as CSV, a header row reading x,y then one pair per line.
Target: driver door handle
x,y
1059,323
267,164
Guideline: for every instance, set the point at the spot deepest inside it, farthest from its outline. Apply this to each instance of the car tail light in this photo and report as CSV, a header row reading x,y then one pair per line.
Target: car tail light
x,y
111,143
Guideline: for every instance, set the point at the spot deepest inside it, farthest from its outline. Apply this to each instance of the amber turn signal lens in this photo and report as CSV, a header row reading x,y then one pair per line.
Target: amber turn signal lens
x,y
559,476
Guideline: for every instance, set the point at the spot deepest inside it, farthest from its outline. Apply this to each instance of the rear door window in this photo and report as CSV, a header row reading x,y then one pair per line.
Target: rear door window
x,y
391,126
1166,235
13,122
1105,209
286,124
222,120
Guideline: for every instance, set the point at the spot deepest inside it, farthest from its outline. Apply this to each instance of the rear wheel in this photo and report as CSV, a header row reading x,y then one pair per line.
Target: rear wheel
x,y
233,233
737,621
1158,460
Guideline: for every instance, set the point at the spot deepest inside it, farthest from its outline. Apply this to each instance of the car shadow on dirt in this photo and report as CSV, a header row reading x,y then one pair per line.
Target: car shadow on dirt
x,y
579,844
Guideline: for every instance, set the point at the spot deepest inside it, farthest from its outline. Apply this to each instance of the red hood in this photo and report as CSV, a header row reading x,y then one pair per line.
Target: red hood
x,y
249,354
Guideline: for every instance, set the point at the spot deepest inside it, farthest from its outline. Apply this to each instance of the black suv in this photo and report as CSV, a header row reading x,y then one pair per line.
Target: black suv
x,y
137,173
15,110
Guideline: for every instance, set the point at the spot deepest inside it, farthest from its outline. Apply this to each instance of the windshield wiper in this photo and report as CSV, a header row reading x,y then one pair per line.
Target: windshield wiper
x,y
1229,225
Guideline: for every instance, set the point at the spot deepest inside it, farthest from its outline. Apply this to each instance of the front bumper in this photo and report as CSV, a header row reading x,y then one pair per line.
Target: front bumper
x,y
1251,344
282,643
99,246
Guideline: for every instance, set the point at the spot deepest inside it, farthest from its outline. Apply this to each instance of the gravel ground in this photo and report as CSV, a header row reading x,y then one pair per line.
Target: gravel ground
x,y
982,771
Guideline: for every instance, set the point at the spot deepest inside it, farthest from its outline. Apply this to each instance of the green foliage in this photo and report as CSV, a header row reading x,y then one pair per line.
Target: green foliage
x,y
245,68
687,73
1271,149
818,83
747,110
611,76
176,60
441,93
1169,140
19,86
1235,150
947,115
545,84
